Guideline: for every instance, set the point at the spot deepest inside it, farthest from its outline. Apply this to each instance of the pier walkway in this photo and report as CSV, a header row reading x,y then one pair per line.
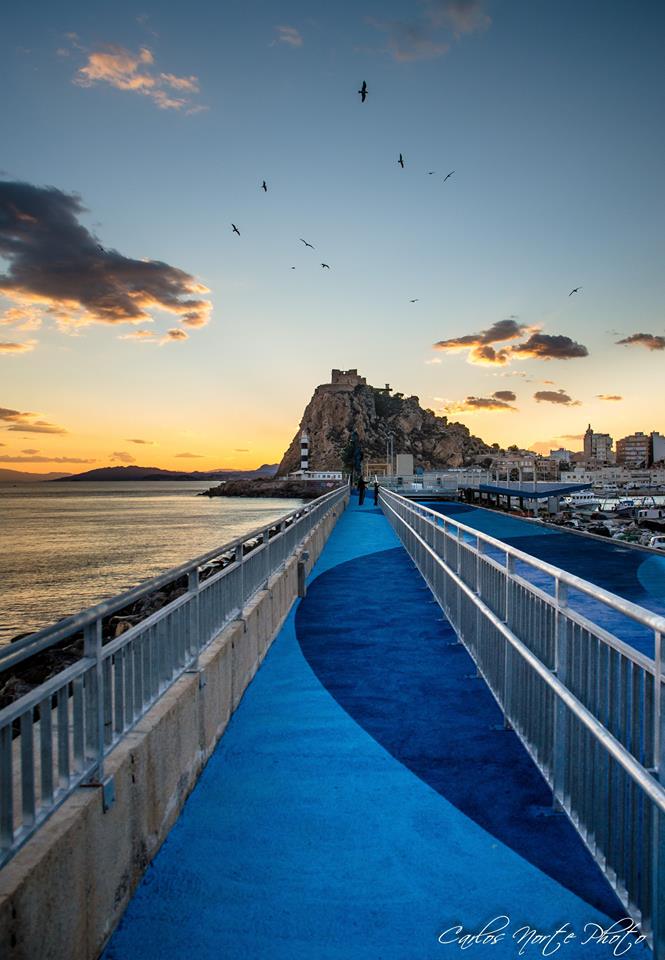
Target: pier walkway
x,y
365,798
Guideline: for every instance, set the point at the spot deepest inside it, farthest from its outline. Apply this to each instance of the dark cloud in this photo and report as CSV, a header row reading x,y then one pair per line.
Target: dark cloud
x,y
30,451
24,422
121,457
175,334
555,396
57,265
38,426
148,443
608,396
543,346
571,436
504,395
15,416
649,340
190,456
480,346
474,404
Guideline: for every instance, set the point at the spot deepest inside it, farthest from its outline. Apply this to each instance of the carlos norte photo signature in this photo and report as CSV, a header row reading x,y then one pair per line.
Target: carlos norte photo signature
x,y
619,937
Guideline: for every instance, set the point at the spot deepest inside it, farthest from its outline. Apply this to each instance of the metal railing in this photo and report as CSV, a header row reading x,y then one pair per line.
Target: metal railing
x,y
54,738
588,707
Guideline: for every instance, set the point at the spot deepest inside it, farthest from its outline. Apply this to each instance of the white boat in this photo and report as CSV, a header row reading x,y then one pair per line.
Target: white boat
x,y
584,500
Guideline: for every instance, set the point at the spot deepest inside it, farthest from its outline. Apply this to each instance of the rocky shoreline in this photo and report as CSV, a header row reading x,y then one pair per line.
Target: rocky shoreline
x,y
281,488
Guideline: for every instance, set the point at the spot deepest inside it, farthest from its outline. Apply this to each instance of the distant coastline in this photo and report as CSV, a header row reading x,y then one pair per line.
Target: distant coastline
x,y
134,473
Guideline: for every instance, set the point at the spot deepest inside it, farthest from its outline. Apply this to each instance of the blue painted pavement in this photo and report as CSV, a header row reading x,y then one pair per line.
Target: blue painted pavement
x,y
360,803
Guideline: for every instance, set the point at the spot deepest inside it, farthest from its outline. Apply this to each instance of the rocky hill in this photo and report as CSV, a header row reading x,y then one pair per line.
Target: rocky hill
x,y
349,405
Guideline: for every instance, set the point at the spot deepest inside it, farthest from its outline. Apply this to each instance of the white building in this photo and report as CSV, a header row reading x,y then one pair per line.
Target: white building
x,y
561,454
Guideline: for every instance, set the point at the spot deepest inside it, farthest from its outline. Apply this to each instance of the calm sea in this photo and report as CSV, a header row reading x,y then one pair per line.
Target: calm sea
x,y
65,546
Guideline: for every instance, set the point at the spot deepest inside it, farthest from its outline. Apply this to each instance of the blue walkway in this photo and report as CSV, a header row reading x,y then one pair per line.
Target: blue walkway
x,y
361,802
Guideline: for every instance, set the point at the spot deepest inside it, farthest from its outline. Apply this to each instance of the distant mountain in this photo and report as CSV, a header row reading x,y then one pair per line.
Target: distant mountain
x,y
155,473
20,476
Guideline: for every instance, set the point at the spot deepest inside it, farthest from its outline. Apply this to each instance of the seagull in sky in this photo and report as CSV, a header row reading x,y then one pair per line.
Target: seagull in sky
x,y
401,161
414,301
235,229
430,172
576,290
448,175
264,187
305,242
326,265
363,92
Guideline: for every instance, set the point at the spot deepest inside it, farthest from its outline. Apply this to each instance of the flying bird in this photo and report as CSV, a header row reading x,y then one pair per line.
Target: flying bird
x,y
414,301
576,290
430,172
264,187
448,175
326,265
305,242
235,229
363,92
401,161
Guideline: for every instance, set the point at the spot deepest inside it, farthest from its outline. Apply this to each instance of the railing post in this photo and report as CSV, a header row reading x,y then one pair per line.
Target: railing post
x,y
559,728
240,560
658,714
193,589
507,659
94,701
658,835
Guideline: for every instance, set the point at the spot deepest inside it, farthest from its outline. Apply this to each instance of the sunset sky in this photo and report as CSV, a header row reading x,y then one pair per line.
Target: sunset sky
x,y
136,326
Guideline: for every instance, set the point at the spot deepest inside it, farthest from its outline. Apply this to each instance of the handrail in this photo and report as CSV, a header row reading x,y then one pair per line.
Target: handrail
x,y
588,708
12,653
57,735
640,614
635,770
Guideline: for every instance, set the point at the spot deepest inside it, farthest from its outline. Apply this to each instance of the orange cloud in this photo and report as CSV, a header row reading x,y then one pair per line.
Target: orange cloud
x,y
608,396
12,347
119,456
24,318
133,72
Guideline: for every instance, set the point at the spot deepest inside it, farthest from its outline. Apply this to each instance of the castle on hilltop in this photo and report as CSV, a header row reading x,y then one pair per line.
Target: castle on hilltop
x,y
342,381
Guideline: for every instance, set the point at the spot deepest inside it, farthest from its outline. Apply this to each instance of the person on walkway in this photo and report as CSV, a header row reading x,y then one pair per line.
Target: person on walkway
x,y
376,494
362,486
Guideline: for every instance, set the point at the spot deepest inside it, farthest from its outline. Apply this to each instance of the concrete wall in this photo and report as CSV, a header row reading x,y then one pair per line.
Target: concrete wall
x,y
63,894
